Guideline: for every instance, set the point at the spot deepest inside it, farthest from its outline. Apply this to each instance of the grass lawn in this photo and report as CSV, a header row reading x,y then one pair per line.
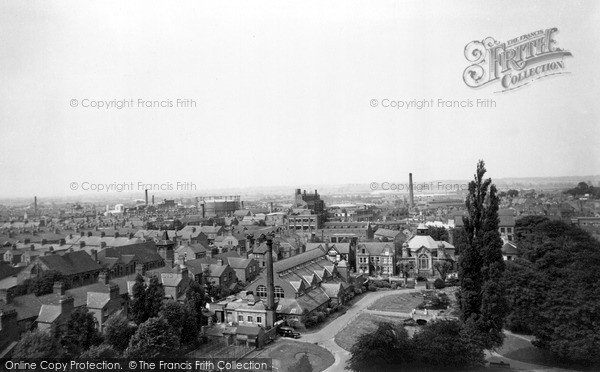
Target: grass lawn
x,y
362,324
285,354
401,303
522,350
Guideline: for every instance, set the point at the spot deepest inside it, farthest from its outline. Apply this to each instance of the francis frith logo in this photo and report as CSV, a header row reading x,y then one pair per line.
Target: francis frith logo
x,y
516,62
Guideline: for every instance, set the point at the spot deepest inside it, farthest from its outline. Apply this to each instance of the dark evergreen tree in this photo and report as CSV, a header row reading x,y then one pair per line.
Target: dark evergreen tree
x,y
80,332
138,312
155,295
482,297
196,298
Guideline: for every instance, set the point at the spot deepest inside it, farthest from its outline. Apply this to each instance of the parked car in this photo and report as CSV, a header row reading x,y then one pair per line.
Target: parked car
x,y
288,332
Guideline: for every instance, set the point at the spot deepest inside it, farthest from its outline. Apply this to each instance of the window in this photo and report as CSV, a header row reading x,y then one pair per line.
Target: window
x,y
423,262
279,292
240,318
249,319
258,319
261,291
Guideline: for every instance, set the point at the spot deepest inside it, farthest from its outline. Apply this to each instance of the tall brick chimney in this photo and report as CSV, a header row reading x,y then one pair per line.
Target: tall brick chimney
x,y
410,191
270,319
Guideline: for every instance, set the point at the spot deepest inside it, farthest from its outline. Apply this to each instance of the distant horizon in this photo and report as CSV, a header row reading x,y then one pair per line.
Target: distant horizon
x,y
281,190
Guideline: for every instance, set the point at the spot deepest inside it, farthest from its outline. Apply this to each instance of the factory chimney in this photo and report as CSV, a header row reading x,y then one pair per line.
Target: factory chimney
x,y
152,199
146,192
35,206
270,319
410,191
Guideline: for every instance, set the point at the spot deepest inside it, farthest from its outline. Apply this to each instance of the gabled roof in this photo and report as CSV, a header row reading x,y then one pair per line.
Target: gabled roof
x,y
7,270
509,249
70,263
297,260
49,314
376,248
144,252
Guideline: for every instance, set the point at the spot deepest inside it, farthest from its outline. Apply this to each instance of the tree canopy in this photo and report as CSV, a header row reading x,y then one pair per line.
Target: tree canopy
x,y
554,289
118,332
37,344
440,345
80,332
153,339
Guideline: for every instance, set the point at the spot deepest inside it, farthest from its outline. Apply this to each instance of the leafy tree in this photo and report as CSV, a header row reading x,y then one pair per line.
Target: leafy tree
x,y
554,289
196,298
80,332
444,344
439,283
482,297
405,267
182,318
582,189
512,193
443,268
99,352
438,233
138,312
459,240
302,365
155,294
37,344
153,339
44,283
386,349
118,332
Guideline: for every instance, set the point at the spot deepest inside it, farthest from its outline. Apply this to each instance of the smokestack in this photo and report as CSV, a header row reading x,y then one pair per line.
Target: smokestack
x,y
203,211
271,207
270,319
146,192
410,191
35,205
152,199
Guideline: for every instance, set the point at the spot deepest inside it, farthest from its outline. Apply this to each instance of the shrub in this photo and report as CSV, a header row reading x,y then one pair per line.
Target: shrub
x,y
320,316
394,286
439,284
421,279
310,321
372,288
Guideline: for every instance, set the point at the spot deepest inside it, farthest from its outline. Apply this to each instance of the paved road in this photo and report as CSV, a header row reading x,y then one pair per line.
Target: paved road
x,y
325,337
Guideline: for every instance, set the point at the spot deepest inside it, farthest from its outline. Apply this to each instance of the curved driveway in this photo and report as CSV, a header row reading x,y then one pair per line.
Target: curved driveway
x,y
325,337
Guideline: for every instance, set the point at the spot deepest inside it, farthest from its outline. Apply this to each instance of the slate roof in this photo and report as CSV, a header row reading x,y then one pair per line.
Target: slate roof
x,y
376,248
250,330
145,252
509,249
391,234
70,263
297,260
7,270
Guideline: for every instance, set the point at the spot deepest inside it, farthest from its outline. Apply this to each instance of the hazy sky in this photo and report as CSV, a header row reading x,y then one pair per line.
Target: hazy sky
x,y
283,92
